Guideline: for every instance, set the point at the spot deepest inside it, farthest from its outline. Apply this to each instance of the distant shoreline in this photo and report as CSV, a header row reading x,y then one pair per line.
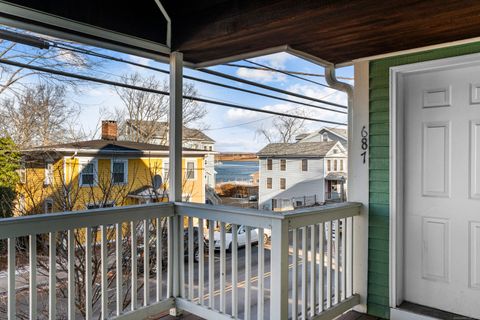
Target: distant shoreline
x,y
236,157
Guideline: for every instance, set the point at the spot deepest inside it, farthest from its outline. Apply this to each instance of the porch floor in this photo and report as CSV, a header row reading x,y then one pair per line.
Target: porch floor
x,y
350,315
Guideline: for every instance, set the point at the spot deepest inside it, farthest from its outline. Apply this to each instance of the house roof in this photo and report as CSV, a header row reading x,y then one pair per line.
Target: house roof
x,y
305,149
109,147
339,132
161,130
336,176
336,31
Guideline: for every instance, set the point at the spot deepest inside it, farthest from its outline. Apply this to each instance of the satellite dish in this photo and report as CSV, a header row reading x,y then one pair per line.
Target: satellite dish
x,y
157,182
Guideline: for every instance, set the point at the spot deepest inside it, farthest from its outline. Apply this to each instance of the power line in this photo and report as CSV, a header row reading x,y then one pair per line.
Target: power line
x,y
288,74
263,86
133,87
83,51
235,65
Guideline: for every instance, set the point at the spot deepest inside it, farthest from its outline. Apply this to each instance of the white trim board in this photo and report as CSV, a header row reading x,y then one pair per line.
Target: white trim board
x,y
396,278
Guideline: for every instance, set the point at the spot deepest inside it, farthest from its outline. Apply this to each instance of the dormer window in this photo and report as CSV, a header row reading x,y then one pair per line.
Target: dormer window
x,y
325,137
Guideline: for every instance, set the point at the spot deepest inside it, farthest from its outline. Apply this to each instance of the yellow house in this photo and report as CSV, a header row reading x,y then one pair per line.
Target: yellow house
x,y
103,173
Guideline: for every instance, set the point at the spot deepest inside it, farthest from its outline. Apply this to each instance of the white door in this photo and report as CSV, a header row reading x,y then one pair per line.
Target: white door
x,y
442,189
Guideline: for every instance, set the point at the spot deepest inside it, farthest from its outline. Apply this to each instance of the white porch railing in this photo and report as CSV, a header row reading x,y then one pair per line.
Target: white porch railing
x,y
133,262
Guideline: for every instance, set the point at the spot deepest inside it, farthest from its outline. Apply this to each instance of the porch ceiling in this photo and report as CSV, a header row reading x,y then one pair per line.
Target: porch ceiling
x,y
336,31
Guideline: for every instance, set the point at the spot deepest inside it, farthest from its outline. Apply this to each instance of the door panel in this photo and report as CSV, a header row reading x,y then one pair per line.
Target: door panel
x,y
442,189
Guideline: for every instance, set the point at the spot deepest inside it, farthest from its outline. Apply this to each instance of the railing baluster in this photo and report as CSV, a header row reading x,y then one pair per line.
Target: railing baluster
x,y
181,252
170,240
33,276
337,262
222,268
201,261
321,266
71,274
248,271
211,264
350,256
313,269
329,264
304,272
261,271
146,263
104,276
52,276
12,297
295,275
133,230
118,258
159,248
235,271
190,258
344,254
88,273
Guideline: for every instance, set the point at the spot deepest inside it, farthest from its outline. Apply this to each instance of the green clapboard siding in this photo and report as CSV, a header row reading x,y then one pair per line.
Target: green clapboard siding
x,y
379,169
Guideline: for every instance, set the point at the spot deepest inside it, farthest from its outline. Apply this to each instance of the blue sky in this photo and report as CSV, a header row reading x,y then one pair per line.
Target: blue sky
x,y
232,129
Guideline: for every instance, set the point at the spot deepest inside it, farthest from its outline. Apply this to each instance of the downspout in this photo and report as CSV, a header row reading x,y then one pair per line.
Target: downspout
x,y
332,81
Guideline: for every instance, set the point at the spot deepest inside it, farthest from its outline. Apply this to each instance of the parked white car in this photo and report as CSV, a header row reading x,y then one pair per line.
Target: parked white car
x,y
241,236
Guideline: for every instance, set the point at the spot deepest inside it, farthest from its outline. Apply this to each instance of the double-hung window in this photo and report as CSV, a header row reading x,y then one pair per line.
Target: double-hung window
x,y
119,171
190,174
269,164
88,173
283,165
304,164
48,173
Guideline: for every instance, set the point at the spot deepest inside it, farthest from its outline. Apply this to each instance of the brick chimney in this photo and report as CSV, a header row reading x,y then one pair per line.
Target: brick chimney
x,y
109,130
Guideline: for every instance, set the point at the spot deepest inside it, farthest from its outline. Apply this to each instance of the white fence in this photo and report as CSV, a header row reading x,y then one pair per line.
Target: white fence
x,y
132,262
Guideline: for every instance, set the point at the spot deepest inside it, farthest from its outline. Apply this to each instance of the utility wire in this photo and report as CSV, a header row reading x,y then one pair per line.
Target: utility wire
x,y
99,55
286,73
236,65
133,87
263,86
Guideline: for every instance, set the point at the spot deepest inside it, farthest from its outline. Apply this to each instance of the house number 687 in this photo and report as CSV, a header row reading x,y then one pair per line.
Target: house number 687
x,y
364,134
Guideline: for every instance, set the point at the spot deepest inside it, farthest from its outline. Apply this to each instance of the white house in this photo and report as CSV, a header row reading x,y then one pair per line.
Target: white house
x,y
301,174
325,134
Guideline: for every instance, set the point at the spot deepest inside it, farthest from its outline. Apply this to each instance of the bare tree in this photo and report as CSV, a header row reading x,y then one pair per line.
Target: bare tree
x,y
144,114
283,129
39,116
12,78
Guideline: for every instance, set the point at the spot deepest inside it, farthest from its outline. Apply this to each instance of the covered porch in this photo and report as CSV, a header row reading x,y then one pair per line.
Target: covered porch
x,y
320,262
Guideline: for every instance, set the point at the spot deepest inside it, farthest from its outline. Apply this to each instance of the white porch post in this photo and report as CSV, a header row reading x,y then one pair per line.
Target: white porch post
x,y
175,126
175,169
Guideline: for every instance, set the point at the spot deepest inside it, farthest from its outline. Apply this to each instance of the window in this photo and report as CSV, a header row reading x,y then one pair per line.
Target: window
x,y
269,183
119,171
329,165
341,165
190,174
22,172
88,173
210,148
335,165
48,206
335,151
304,164
325,137
166,168
269,164
283,165
48,174
283,183
21,204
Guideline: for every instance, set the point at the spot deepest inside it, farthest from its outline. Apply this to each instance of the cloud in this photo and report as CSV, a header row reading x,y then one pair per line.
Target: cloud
x,y
276,61
241,115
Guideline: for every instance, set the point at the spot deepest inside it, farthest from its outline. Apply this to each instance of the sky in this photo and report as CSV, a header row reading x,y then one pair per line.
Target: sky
x,y
234,130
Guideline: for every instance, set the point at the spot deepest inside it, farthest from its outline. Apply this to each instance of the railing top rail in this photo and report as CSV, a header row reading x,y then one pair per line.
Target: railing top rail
x,y
250,217
45,223
308,216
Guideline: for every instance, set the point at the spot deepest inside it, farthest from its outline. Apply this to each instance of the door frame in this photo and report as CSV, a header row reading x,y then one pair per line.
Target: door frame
x,y
396,170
